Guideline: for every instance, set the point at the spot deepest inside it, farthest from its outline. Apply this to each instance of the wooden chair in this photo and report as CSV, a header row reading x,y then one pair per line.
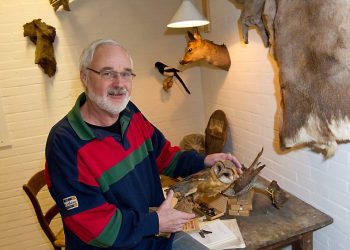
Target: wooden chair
x,y
32,188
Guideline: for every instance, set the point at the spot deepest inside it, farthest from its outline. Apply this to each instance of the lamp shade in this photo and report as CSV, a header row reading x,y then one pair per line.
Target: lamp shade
x,y
187,15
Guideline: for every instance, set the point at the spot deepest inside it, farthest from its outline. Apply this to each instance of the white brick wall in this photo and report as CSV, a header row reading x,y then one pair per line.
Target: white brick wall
x,y
249,94
33,102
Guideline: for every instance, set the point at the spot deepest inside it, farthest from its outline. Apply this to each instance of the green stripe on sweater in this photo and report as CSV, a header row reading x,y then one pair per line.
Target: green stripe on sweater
x,y
109,233
121,169
169,170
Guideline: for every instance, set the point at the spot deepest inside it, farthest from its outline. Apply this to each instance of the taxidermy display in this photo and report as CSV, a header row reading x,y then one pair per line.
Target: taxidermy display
x,y
216,132
222,178
170,73
207,182
251,15
200,49
57,3
249,179
43,36
193,142
214,138
313,53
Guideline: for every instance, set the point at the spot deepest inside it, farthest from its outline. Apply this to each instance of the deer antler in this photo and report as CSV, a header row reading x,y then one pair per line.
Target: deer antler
x,y
57,3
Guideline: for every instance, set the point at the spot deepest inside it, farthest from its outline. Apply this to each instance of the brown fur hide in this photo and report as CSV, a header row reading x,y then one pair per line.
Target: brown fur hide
x,y
313,53
310,42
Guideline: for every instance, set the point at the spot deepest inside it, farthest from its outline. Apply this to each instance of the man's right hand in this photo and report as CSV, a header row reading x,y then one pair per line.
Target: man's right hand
x,y
170,219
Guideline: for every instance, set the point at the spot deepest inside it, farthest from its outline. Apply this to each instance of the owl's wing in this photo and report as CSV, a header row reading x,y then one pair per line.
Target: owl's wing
x,y
200,175
189,184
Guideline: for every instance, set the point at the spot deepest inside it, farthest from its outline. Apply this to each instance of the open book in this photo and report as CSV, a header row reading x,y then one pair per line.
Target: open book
x,y
225,234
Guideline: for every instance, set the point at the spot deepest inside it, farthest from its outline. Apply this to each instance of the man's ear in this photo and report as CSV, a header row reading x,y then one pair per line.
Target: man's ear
x,y
83,78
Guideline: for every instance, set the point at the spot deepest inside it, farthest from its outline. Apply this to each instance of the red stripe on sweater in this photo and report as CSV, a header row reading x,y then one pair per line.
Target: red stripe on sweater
x,y
89,224
166,156
99,156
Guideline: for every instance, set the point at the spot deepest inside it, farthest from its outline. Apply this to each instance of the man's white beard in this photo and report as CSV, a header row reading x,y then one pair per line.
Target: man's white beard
x,y
103,103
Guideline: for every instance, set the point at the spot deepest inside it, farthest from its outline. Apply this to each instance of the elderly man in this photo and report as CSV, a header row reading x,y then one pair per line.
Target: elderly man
x,y
103,162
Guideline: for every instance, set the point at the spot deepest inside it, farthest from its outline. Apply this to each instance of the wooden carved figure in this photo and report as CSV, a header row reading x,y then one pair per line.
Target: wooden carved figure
x,y
199,49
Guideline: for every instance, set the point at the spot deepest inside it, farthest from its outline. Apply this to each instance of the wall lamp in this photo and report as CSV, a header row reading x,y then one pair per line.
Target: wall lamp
x,y
187,15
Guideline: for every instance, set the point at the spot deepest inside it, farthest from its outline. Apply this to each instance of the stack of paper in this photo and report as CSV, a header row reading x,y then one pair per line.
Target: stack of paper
x,y
225,234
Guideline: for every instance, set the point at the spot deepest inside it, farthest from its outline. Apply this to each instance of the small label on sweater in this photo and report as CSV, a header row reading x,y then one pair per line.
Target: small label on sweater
x,y
70,202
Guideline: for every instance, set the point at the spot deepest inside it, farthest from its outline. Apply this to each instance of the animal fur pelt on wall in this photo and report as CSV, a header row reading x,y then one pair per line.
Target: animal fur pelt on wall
x,y
312,49
57,3
43,36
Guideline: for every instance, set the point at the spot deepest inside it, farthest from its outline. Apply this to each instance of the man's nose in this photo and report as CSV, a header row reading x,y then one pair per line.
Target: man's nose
x,y
117,78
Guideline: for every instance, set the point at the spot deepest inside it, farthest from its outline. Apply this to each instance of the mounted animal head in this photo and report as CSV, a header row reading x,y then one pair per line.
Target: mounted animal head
x,y
199,49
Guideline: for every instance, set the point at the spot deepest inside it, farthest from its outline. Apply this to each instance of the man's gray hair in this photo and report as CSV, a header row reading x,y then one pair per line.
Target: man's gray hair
x,y
88,53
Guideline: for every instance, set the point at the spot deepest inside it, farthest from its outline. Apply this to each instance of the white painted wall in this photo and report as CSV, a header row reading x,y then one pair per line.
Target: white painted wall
x,y
248,93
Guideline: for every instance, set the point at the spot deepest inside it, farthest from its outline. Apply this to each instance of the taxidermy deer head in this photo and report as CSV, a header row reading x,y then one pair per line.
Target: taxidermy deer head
x,y
198,49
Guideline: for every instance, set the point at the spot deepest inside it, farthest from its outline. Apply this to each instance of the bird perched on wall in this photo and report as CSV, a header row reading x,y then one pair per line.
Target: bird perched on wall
x,y
207,182
170,73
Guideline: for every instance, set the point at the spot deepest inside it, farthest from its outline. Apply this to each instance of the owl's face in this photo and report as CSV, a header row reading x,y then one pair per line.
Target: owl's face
x,y
208,181
225,172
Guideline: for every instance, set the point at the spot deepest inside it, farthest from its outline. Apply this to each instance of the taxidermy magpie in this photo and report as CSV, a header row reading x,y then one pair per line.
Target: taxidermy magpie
x,y
165,70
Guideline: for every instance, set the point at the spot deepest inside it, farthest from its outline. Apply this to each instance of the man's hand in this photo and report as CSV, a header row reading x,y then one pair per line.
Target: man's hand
x,y
170,219
212,158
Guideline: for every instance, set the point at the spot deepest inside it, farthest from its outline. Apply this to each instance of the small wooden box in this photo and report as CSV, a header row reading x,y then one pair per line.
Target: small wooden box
x,y
241,205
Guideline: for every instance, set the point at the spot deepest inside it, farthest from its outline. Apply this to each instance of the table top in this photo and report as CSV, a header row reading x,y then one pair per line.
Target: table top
x,y
267,225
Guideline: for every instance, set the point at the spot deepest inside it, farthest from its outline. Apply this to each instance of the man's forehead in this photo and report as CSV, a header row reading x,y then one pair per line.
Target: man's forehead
x,y
111,47
109,54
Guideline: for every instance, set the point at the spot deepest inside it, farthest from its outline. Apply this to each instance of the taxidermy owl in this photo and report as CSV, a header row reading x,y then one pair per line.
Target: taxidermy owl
x,y
207,182
222,178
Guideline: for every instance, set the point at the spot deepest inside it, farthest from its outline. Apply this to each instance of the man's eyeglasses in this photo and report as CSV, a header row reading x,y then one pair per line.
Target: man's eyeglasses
x,y
110,75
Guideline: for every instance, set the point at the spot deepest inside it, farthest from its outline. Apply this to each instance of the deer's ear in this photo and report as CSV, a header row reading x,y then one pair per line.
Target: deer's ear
x,y
190,36
196,34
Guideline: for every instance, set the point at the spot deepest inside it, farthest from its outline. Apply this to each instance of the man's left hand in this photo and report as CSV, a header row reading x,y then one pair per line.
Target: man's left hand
x,y
211,159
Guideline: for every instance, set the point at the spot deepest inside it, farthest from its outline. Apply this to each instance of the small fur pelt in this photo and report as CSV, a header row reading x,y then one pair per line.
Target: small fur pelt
x,y
57,3
43,36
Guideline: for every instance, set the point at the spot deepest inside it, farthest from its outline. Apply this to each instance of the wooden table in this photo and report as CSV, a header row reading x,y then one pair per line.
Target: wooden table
x,y
270,228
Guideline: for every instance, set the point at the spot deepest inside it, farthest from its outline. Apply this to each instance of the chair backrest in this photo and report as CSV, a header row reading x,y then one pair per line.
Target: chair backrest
x,y
32,188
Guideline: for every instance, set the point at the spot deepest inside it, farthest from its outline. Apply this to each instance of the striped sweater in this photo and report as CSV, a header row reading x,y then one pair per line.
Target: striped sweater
x,y
104,182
